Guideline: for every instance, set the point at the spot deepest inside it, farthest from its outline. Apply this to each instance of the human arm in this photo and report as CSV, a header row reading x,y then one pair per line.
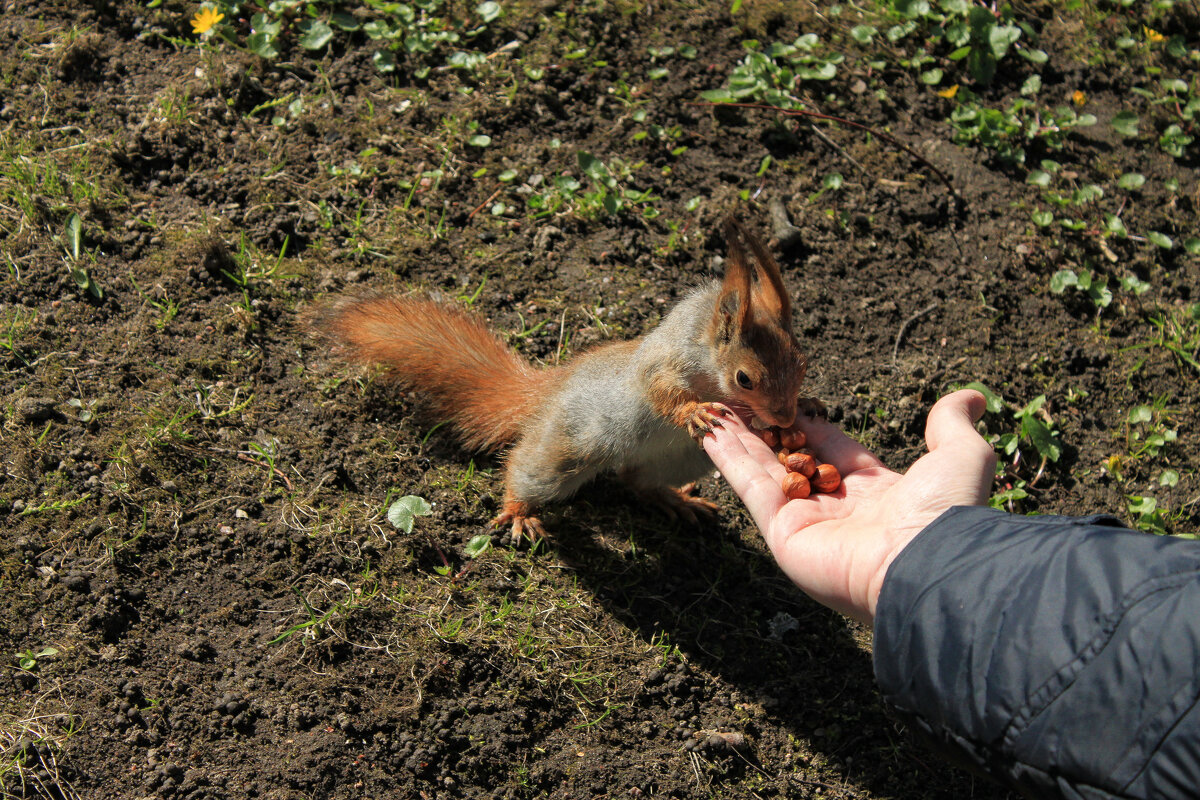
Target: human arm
x,y
1060,655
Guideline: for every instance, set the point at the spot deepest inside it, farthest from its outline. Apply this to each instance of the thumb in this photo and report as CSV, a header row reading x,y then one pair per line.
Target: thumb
x,y
953,441
953,418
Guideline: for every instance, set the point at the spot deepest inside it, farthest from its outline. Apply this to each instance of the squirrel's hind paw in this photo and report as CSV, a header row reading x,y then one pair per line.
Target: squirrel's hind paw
x,y
680,503
701,418
517,514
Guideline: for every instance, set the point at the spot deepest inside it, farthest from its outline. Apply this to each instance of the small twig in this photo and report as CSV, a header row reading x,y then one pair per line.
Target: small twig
x,y
904,328
696,769
484,203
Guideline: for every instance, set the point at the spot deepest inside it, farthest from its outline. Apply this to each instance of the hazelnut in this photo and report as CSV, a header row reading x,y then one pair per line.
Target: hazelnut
x,y
796,486
803,463
827,479
770,437
782,455
792,438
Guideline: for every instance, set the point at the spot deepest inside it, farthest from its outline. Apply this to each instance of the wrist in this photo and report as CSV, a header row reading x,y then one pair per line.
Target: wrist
x,y
894,540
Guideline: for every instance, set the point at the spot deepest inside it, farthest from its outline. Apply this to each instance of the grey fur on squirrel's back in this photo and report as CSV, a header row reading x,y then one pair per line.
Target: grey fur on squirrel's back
x,y
601,408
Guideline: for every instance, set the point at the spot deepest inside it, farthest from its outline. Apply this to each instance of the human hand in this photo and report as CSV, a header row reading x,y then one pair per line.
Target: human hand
x,y
837,547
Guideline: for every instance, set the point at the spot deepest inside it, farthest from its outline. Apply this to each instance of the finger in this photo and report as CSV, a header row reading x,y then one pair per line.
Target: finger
x,y
959,459
750,476
752,441
835,447
952,420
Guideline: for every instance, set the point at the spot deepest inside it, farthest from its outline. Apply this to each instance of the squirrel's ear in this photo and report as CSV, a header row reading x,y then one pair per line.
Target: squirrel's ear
x,y
733,304
770,293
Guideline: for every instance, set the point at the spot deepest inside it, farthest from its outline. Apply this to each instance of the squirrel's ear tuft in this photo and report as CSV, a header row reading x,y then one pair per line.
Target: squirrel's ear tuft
x,y
770,295
733,304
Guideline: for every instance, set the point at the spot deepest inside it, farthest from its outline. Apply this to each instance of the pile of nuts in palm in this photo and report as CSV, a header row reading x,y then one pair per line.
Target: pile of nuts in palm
x,y
805,474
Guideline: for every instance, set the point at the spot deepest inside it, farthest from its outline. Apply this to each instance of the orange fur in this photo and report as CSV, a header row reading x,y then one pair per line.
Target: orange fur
x,y
468,375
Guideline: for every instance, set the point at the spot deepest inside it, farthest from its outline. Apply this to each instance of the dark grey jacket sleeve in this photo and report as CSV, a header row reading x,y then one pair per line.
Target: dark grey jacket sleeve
x,y
1060,655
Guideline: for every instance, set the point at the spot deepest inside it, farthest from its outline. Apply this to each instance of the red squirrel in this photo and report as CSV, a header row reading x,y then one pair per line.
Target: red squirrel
x,y
635,408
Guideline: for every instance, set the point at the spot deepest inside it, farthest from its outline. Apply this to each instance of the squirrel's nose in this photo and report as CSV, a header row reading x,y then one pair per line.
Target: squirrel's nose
x,y
784,416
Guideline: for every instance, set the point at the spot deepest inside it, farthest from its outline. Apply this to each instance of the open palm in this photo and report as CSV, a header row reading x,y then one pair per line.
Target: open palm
x,y
837,547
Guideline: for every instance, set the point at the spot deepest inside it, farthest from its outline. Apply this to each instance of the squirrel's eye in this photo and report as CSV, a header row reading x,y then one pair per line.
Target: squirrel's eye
x,y
743,380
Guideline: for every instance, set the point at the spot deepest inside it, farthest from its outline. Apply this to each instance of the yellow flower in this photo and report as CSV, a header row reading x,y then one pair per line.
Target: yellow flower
x,y
1152,34
1079,98
948,93
205,18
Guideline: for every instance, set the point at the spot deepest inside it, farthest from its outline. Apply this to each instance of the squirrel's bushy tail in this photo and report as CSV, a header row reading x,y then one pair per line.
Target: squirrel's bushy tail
x,y
468,375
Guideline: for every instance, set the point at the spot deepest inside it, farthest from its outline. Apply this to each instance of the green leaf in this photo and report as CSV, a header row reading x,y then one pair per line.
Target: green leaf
x,y
1039,433
1032,85
80,276
262,44
402,512
261,23
384,60
932,77
1126,123
863,34
1160,239
477,545
1169,477
1042,218
1100,294
315,34
1192,245
1131,180
488,11
1142,505
1174,85
1001,37
717,96
1114,225
479,140
1000,499
1142,413
1063,280
345,21
74,233
592,167
1038,178
833,181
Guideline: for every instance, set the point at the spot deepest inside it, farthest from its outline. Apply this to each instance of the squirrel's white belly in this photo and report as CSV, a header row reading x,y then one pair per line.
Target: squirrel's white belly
x,y
667,457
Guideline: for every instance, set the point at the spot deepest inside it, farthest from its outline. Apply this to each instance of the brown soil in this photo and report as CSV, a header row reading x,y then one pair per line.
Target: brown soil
x,y
193,490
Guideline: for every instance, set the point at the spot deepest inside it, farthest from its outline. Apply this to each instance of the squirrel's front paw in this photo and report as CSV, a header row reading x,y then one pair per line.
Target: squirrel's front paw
x,y
701,418
517,514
